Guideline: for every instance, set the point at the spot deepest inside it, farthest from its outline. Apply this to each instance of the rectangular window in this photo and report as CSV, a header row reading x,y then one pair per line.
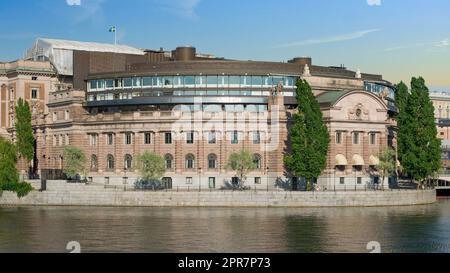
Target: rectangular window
x,y
128,139
223,81
55,140
338,137
356,138
146,81
118,83
212,138
234,137
147,138
127,82
189,180
168,82
257,81
55,116
359,180
200,81
373,139
257,180
137,82
234,81
168,138
246,81
177,81
190,137
110,139
212,81
342,180
34,93
189,81
66,114
93,85
67,140
212,182
212,163
256,138
93,140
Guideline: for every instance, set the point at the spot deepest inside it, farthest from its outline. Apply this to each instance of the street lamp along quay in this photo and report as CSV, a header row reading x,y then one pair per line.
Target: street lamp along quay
x,y
125,179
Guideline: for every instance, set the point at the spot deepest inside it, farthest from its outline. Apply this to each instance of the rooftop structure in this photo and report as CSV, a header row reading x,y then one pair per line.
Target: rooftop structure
x,y
60,52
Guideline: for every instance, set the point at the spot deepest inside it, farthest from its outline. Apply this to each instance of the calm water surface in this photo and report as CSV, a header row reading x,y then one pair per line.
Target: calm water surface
x,y
398,229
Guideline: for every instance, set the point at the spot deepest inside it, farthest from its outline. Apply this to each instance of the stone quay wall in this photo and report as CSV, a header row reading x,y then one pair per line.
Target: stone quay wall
x,y
97,196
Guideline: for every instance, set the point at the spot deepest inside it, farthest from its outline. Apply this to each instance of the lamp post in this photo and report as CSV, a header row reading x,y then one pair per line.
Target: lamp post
x,y
267,172
199,179
125,178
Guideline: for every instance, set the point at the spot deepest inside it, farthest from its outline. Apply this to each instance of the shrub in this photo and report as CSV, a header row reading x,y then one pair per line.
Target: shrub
x,y
21,189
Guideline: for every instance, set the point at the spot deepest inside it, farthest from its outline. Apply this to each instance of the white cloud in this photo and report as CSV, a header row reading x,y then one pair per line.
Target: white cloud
x,y
374,2
88,10
184,8
441,44
73,2
333,39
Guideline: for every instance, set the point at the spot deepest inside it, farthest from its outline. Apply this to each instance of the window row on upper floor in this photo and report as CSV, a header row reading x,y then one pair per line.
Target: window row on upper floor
x,y
179,93
215,81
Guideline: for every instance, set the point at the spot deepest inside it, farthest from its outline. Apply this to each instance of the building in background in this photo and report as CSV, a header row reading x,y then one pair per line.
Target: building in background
x,y
441,102
194,110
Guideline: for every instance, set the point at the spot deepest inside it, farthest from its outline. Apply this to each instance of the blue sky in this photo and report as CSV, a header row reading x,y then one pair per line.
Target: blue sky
x,y
396,38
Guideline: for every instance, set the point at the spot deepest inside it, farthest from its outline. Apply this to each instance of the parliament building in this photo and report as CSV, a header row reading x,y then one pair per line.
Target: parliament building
x,y
194,110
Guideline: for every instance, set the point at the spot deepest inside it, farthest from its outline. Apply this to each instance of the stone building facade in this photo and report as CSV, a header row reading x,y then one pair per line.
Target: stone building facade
x,y
194,110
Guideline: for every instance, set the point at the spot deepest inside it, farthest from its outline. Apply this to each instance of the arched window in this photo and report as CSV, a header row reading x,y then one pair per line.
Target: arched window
x,y
212,161
168,158
110,162
94,163
190,161
128,162
257,161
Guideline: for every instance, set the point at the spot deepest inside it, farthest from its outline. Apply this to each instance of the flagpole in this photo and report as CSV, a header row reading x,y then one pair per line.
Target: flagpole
x,y
115,36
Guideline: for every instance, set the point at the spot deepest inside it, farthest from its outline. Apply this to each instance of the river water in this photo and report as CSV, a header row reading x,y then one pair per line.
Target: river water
x,y
397,229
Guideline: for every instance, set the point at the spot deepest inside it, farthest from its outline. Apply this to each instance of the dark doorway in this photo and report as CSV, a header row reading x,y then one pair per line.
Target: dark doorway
x,y
167,182
235,181
35,166
295,183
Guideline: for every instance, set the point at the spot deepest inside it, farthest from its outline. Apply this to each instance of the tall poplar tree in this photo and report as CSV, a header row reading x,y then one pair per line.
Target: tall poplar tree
x,y
421,157
24,131
401,98
308,136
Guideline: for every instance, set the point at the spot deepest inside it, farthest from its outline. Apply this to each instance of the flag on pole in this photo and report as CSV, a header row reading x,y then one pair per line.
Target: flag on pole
x,y
112,29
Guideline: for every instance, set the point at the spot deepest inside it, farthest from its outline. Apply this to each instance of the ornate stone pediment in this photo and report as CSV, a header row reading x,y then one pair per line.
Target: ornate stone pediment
x,y
359,112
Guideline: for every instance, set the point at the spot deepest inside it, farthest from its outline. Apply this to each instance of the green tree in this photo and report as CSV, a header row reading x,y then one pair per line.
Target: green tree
x,y
151,166
421,151
242,163
74,162
9,175
8,160
387,164
308,136
401,98
24,131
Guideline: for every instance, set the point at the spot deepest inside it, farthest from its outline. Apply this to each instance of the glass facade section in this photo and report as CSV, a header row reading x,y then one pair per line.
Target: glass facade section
x,y
128,83
213,85
212,81
189,81
380,89
200,81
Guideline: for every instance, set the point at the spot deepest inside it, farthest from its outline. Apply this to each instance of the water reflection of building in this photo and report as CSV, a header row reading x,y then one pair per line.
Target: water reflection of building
x,y
119,101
